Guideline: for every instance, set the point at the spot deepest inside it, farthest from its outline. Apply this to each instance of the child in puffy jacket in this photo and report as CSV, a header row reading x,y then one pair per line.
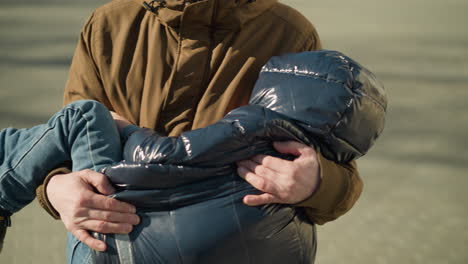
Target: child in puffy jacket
x,y
321,98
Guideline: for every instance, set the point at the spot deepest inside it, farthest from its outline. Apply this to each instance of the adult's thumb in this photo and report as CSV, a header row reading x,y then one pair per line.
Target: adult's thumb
x,y
290,147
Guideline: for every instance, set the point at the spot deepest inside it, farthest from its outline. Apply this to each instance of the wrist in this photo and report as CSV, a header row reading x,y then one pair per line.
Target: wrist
x,y
43,192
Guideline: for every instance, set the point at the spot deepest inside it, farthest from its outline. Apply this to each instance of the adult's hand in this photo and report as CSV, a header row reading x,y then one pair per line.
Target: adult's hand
x,y
282,181
82,202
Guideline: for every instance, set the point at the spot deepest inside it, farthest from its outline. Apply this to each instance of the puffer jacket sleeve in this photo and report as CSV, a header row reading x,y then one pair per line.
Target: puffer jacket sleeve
x,y
215,145
155,161
242,133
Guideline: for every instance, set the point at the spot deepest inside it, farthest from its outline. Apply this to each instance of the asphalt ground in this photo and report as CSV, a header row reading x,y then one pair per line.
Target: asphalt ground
x,y
413,209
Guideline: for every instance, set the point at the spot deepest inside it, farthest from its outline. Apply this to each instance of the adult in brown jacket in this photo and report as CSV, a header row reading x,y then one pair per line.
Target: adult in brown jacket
x,y
179,65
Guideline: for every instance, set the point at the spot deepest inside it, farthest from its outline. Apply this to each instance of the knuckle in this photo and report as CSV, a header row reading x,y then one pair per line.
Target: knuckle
x,y
79,212
100,178
249,177
85,172
109,203
268,161
260,170
74,215
106,215
261,184
80,201
101,226
89,241
263,200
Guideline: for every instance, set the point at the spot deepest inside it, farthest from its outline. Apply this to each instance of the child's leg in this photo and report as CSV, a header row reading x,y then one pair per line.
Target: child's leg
x,y
82,132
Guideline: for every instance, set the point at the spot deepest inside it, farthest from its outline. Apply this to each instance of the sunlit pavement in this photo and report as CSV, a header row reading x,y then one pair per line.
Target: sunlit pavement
x,y
413,209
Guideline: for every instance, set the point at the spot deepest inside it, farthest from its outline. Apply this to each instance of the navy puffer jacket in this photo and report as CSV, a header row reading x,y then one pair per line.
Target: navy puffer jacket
x,y
321,98
186,188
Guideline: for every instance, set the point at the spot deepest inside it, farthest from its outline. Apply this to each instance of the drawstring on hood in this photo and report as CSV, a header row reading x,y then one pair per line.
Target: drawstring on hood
x,y
151,5
155,5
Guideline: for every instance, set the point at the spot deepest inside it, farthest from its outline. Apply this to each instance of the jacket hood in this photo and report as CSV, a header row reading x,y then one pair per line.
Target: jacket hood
x,y
221,14
328,94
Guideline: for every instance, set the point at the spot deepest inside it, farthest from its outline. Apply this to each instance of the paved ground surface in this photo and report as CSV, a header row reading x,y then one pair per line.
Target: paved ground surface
x,y
413,209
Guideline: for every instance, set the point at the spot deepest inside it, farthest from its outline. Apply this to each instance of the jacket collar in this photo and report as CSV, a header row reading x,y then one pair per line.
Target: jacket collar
x,y
219,14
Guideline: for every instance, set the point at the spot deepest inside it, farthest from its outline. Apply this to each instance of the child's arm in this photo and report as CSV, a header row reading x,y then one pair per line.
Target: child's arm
x,y
244,132
155,161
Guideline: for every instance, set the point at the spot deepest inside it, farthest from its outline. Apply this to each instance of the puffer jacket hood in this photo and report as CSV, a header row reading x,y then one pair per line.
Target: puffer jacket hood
x,y
338,103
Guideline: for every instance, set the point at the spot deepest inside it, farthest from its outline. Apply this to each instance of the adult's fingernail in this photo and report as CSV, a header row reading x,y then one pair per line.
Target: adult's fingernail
x,y
136,220
101,246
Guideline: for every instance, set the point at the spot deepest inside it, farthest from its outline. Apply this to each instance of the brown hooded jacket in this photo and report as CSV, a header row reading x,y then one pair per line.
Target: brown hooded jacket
x,y
174,66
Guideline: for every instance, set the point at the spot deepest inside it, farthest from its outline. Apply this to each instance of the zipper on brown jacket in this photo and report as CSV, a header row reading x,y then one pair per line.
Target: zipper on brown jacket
x,y
206,75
